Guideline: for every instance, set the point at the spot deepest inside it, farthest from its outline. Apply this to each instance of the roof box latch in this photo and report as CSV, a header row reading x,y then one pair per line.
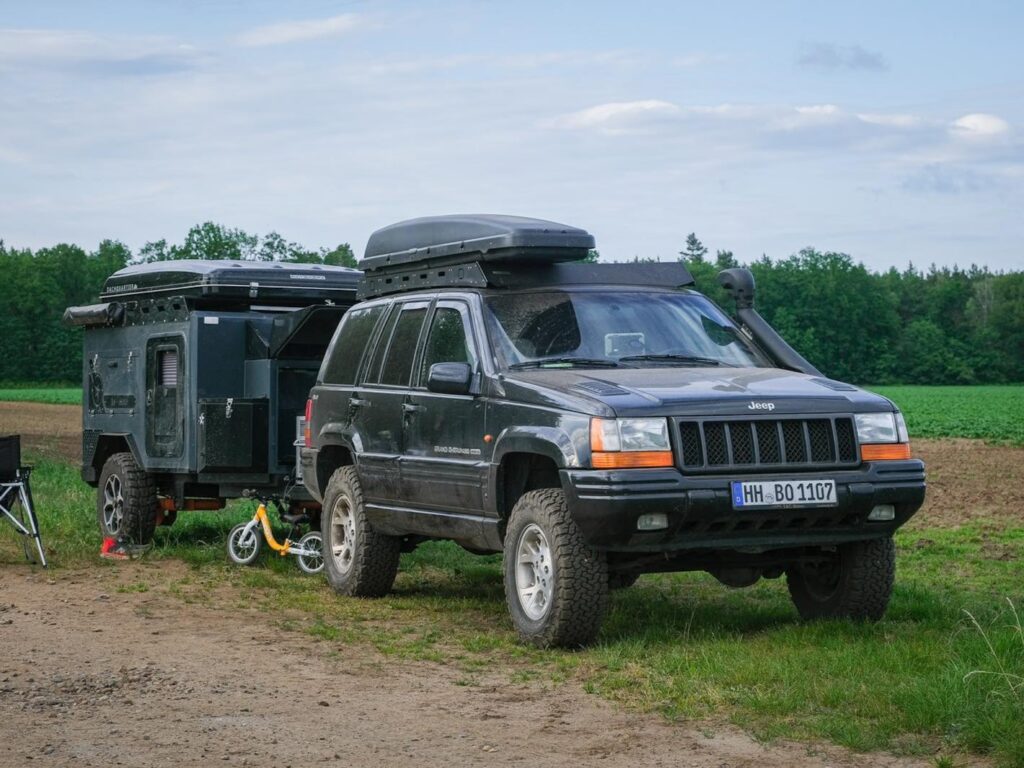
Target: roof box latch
x,y
254,289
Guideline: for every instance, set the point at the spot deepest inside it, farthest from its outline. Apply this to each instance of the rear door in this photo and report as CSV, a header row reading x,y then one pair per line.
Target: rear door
x,y
377,402
444,467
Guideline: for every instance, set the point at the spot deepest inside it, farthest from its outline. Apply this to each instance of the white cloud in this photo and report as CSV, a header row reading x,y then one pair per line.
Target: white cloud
x,y
88,53
296,31
979,127
890,120
619,116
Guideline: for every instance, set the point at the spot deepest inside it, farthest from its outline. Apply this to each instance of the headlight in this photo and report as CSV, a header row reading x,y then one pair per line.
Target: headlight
x,y
882,436
630,443
877,428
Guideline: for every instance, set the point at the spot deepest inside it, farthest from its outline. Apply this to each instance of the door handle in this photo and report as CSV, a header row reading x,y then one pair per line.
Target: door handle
x,y
357,402
409,408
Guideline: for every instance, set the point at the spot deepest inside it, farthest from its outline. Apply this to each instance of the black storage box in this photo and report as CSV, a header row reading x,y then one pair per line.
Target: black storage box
x,y
10,458
248,282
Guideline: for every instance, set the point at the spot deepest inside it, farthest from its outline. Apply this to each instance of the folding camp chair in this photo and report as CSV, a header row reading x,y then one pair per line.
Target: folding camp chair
x,y
16,496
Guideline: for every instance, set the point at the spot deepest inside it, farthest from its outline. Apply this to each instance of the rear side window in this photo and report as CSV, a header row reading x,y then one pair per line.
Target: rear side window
x,y
350,344
402,347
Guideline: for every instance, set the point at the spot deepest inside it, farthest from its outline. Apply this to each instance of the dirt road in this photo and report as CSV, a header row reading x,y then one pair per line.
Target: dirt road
x,y
93,676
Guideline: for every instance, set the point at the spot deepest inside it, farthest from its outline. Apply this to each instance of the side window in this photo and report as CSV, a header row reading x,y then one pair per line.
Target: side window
x,y
350,344
372,374
448,340
398,360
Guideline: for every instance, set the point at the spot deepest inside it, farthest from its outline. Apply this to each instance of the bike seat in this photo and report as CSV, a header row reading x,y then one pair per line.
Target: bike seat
x,y
299,519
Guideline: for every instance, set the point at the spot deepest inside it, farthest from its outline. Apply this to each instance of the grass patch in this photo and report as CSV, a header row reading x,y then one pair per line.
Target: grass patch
x,y
50,395
680,645
993,413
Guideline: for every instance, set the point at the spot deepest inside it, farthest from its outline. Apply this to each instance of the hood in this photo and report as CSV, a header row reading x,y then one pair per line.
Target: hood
x,y
704,391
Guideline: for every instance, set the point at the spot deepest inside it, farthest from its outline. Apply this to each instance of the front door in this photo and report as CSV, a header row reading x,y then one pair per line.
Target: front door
x,y
165,422
444,466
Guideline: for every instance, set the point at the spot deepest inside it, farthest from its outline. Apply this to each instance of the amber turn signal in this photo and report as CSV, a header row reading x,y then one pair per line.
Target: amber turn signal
x,y
885,452
631,459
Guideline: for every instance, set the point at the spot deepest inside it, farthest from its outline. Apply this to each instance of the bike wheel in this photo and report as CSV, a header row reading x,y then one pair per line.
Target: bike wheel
x,y
313,543
244,544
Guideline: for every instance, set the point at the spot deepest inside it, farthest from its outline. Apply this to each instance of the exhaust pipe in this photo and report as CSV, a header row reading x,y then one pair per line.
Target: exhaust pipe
x,y
739,284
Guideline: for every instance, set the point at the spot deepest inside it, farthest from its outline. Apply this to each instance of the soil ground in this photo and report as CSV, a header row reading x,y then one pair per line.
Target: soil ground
x,y
94,676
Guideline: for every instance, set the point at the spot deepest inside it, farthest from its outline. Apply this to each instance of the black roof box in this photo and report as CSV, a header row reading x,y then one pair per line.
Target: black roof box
x,y
248,282
464,238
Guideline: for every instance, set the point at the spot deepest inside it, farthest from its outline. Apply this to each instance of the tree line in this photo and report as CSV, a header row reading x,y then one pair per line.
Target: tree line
x,y
939,326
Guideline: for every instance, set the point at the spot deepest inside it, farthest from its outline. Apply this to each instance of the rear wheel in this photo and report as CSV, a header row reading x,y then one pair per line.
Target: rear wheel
x,y
312,543
556,586
854,581
126,503
358,561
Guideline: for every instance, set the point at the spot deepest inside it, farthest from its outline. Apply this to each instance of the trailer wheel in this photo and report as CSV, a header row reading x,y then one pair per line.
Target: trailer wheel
x,y
126,503
358,561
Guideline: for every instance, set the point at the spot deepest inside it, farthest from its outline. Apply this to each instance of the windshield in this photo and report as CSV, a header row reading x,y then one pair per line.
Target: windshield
x,y
613,329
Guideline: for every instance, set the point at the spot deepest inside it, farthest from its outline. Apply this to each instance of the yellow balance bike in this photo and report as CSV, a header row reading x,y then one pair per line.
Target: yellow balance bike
x,y
246,539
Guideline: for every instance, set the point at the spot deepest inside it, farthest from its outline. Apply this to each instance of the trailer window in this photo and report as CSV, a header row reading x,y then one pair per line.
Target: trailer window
x,y
350,344
167,367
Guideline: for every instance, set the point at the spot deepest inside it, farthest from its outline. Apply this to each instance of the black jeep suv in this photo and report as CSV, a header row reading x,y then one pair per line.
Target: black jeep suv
x,y
593,422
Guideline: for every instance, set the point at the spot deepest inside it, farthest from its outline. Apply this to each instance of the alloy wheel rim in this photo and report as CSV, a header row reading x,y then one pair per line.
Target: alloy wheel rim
x,y
535,578
343,535
113,504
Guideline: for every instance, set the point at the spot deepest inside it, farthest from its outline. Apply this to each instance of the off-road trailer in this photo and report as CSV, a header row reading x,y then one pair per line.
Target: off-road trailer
x,y
195,377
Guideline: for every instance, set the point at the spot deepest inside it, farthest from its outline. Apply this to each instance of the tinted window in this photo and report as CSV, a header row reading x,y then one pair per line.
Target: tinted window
x,y
350,344
402,348
446,342
373,371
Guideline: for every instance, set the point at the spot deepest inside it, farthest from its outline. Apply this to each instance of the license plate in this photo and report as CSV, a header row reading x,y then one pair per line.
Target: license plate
x,y
784,493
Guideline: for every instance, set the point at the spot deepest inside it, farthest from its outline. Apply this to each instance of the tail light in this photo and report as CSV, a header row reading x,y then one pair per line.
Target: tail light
x,y
307,431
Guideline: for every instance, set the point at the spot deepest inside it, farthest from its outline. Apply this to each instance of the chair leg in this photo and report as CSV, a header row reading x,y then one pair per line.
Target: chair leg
x,y
30,510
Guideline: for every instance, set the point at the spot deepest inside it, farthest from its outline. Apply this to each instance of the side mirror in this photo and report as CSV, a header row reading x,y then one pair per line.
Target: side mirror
x,y
450,378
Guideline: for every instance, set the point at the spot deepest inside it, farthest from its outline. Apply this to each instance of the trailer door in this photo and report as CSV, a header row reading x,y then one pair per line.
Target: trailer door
x,y
165,424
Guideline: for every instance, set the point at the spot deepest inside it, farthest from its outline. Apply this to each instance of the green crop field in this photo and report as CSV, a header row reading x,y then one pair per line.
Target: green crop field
x,y
41,394
993,413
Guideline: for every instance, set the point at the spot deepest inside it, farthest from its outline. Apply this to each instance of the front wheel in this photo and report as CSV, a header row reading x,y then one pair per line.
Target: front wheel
x,y
244,544
556,586
313,543
853,581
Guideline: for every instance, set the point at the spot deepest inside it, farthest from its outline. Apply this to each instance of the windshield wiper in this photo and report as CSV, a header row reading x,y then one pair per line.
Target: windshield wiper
x,y
582,362
669,358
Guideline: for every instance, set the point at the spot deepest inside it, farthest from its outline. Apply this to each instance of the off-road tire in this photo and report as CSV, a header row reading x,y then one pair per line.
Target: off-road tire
x,y
579,592
866,571
370,560
139,506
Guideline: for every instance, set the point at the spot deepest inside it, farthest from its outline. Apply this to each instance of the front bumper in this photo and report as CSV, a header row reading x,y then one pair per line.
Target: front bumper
x,y
606,504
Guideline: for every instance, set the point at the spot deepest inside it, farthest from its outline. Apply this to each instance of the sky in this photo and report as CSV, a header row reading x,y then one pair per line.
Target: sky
x,y
890,131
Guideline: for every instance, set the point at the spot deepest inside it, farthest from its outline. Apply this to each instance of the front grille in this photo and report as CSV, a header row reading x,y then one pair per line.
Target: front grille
x,y
769,444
